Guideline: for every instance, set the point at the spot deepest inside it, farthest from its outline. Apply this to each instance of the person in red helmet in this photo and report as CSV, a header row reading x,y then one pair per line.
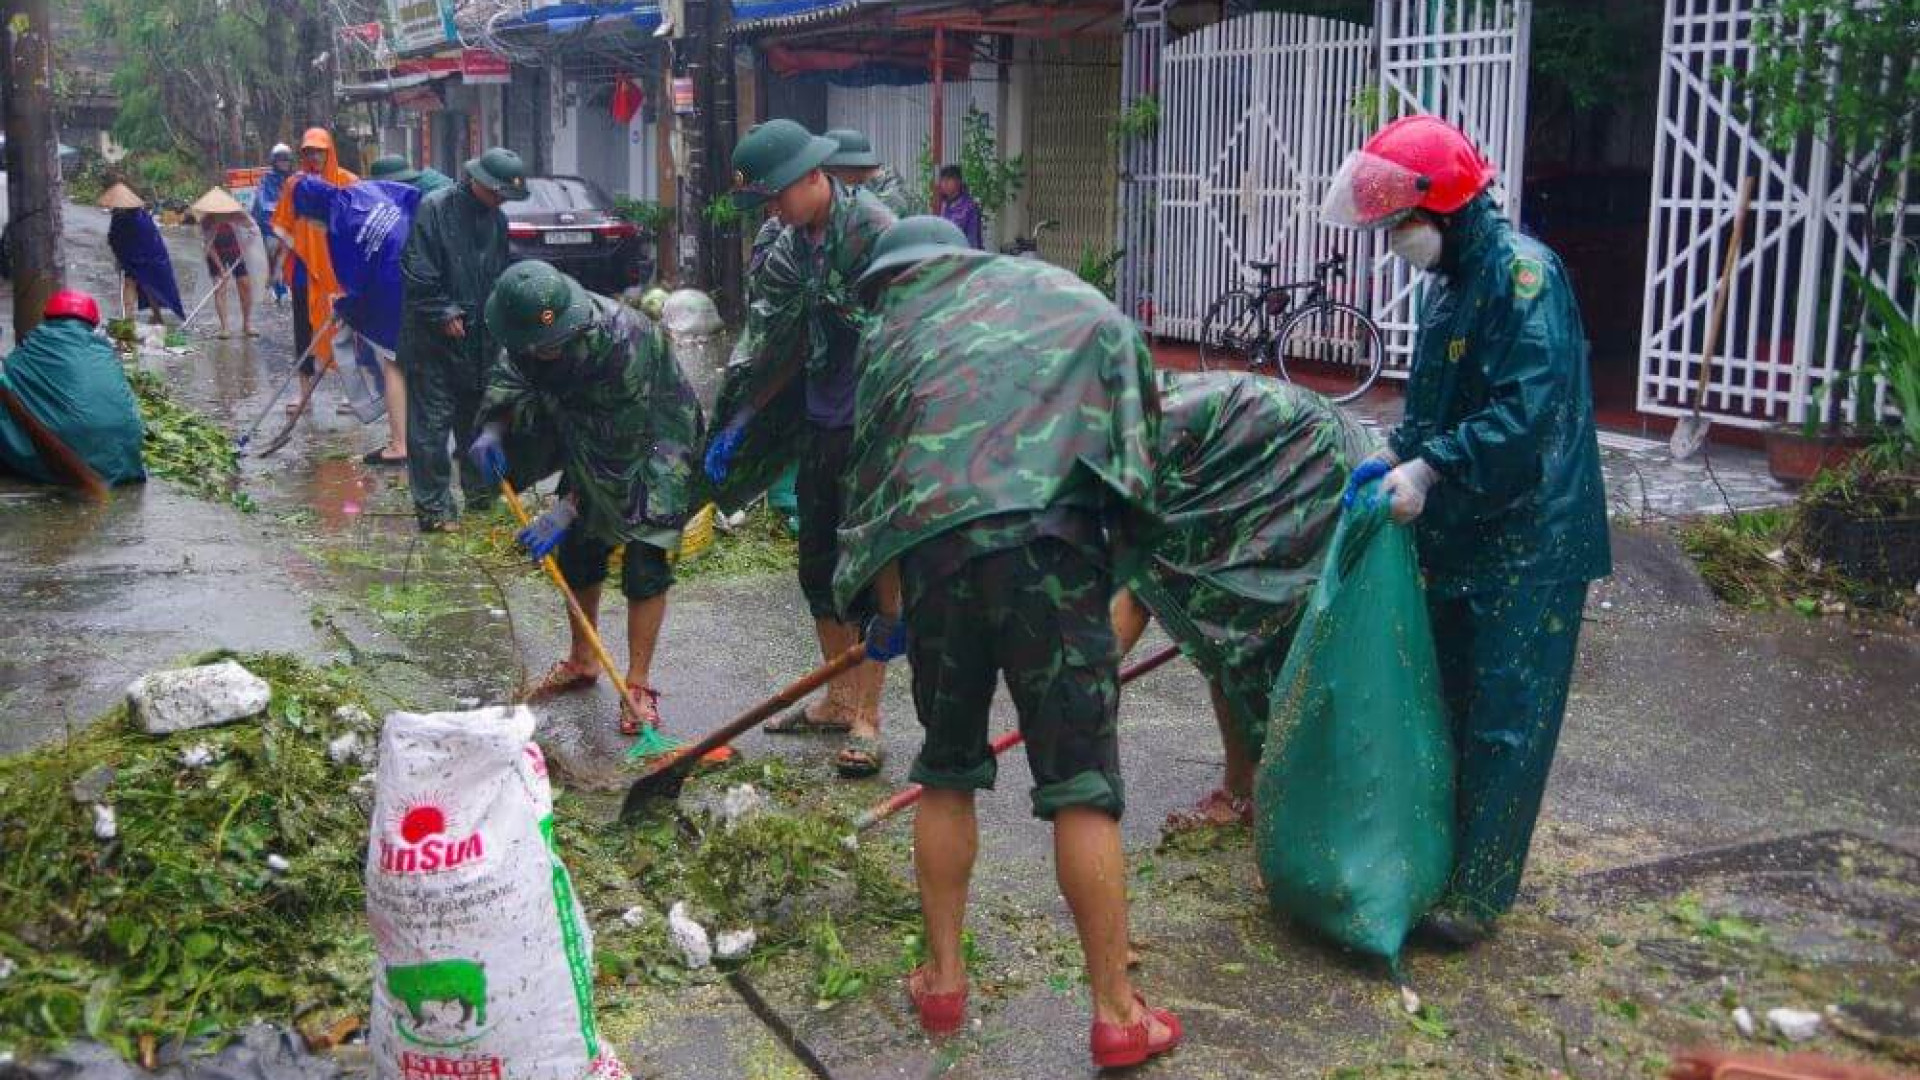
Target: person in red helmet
x,y
1496,466
67,376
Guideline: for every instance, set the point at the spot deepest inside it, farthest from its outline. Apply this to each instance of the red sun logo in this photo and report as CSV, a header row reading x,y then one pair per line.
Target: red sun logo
x,y
422,822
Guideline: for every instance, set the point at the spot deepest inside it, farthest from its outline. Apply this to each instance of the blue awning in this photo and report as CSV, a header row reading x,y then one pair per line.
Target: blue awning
x,y
562,19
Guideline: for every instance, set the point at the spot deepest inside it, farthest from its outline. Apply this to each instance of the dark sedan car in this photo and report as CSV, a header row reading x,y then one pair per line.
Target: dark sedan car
x,y
570,222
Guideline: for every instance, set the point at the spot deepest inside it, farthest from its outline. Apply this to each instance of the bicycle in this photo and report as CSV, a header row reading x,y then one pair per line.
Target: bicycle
x,y
1324,344
1028,246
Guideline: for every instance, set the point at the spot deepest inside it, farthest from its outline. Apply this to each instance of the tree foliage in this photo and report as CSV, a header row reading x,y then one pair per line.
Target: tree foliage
x,y
214,77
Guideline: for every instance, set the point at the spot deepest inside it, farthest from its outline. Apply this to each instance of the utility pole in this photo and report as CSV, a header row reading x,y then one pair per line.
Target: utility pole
x,y
33,159
722,116
694,181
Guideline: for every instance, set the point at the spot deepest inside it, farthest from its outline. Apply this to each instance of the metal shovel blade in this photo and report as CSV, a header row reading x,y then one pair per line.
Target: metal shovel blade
x,y
1689,435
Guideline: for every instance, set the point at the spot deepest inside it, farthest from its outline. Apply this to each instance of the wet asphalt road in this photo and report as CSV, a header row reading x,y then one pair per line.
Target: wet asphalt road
x,y
1691,726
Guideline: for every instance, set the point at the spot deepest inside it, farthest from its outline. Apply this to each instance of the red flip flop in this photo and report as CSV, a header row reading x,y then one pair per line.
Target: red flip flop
x,y
1117,1046
940,1014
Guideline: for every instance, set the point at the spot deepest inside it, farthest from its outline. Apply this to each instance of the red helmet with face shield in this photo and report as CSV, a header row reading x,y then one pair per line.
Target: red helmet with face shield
x,y
1414,163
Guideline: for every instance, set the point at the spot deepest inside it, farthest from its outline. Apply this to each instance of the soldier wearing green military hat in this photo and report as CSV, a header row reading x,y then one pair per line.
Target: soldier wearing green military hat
x,y
589,388
856,165
454,254
1248,476
788,393
395,168
1007,420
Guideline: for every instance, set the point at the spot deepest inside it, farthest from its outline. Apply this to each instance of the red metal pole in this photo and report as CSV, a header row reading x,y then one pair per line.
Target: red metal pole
x,y
939,106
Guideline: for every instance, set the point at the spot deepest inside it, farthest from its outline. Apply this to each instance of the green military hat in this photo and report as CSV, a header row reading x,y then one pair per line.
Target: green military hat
x,y
500,171
911,241
856,150
772,156
534,306
393,167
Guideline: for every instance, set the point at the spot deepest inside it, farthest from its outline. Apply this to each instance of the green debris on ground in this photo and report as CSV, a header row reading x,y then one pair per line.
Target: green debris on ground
x,y
186,448
1757,560
761,544
186,923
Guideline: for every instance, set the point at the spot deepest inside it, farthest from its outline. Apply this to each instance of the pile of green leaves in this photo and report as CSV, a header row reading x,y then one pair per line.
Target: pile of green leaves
x,y
184,447
759,545
178,927
644,213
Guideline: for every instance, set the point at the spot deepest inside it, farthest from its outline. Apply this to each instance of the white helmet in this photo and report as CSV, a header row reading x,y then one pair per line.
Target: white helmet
x,y
280,149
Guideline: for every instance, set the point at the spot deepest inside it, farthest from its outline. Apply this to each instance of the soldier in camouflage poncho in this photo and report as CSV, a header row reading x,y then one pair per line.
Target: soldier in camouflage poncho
x,y
587,386
1007,416
856,165
1247,478
788,394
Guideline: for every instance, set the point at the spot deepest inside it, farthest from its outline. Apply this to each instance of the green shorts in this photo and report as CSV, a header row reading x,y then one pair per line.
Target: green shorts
x,y
1037,614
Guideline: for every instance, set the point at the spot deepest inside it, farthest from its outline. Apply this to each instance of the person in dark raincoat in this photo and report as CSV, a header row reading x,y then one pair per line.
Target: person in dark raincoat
x,y
788,394
453,257
1497,465
395,168
588,387
146,269
1247,481
1007,419
856,165
69,378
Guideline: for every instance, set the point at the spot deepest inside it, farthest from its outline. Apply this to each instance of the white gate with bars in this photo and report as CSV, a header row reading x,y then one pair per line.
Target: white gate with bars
x,y
1259,111
1257,116
1783,322
1465,61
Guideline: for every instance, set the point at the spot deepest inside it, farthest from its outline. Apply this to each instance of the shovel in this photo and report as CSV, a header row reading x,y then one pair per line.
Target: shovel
x,y
552,567
910,794
240,444
1690,434
665,777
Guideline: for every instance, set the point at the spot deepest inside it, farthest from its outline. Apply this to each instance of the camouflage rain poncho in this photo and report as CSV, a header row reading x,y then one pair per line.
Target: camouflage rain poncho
x,y
1247,481
991,385
800,308
622,421
886,186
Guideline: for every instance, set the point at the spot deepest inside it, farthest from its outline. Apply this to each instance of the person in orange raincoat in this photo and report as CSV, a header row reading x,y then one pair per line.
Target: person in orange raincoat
x,y
309,268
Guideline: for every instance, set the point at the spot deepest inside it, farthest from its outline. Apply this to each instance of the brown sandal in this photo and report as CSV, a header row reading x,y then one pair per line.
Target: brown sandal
x,y
562,678
1219,809
649,701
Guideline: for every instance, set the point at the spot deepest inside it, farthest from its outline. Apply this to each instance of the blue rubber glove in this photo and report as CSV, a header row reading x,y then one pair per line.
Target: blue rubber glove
x,y
721,450
489,454
1373,468
541,537
886,638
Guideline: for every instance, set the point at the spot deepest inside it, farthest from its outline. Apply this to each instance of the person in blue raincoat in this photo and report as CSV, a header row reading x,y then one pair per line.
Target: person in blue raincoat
x,y
1497,467
266,196
146,270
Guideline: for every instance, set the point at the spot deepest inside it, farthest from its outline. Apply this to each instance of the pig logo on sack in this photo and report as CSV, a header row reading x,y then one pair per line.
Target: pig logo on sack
x,y
424,846
430,993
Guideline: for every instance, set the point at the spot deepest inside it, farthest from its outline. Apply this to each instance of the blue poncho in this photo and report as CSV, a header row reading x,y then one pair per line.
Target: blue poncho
x,y
367,225
142,255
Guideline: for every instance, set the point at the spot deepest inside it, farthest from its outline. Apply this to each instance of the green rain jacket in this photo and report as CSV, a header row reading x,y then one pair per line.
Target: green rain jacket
x,y
430,180
623,419
70,380
1247,482
992,385
1499,403
801,310
454,254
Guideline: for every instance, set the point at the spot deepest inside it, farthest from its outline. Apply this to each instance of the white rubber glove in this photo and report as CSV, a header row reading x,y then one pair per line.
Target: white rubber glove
x,y
1407,486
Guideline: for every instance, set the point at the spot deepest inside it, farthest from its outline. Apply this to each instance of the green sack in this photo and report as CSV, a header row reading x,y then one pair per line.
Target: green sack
x,y
1354,827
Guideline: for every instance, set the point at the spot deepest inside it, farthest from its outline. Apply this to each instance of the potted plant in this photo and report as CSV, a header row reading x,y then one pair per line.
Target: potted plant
x,y
1864,516
1819,74
653,219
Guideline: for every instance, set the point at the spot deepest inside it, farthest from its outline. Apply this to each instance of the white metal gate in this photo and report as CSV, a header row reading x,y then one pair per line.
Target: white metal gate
x,y
1465,61
1783,320
1255,119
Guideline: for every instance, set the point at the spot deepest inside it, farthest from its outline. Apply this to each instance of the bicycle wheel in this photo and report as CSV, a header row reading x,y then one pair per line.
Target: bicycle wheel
x,y
1233,335
1332,348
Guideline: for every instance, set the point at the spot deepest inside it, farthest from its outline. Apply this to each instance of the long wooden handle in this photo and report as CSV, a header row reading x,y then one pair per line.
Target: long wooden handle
x,y
852,657
552,567
60,459
910,794
1719,314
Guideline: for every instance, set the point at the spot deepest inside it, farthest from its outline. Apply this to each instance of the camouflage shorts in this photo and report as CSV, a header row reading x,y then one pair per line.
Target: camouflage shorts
x,y
1038,615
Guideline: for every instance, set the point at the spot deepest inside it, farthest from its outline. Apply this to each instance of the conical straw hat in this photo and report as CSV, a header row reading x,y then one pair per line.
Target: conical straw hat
x,y
217,201
120,197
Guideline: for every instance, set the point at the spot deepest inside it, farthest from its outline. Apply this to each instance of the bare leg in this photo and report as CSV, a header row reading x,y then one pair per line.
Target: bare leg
x,y
220,308
129,298
580,653
644,618
842,701
1240,762
245,288
396,407
1092,872
946,838
869,683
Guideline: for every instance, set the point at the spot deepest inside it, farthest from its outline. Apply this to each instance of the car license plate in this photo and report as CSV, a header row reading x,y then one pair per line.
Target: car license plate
x,y
564,237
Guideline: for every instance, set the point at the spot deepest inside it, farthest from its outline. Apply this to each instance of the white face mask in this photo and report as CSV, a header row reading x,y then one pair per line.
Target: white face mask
x,y
1417,242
